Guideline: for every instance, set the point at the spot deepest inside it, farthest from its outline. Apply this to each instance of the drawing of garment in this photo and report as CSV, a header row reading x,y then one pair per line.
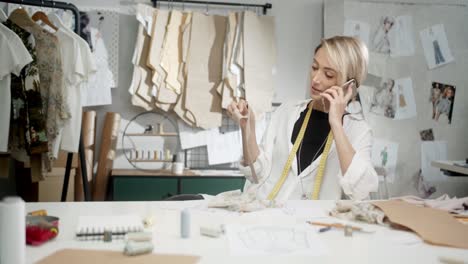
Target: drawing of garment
x,y
439,58
98,90
381,42
443,106
384,155
402,101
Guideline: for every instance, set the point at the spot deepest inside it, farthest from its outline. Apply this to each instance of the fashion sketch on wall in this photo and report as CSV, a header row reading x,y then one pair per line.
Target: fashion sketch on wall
x,y
436,47
384,159
382,97
392,98
393,36
442,98
357,29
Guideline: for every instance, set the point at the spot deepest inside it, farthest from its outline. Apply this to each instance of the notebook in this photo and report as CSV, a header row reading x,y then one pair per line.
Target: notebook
x,y
93,227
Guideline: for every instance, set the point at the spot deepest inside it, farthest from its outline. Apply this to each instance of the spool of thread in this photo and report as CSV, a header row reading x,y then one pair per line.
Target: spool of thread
x,y
133,248
13,231
178,168
185,223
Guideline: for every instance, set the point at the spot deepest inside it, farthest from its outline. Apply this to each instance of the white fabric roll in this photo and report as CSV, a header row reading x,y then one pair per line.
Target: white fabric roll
x,y
12,231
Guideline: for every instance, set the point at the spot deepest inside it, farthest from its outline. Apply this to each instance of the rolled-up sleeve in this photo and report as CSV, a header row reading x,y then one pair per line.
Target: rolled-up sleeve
x,y
360,179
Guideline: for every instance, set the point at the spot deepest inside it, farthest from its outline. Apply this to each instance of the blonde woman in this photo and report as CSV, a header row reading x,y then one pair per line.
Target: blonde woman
x,y
316,171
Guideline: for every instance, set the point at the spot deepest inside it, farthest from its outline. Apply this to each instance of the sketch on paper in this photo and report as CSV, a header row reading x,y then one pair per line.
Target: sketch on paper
x,y
405,102
357,29
427,135
274,240
384,158
393,36
383,98
392,98
436,47
442,99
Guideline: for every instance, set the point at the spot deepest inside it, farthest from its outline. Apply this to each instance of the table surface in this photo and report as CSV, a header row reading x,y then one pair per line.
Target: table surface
x,y
383,246
450,166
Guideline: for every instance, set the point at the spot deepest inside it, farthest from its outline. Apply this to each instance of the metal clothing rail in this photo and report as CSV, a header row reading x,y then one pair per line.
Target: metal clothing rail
x,y
265,7
81,153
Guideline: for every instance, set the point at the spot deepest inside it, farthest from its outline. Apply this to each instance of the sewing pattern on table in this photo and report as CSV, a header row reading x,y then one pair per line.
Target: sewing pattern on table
x,y
274,240
271,239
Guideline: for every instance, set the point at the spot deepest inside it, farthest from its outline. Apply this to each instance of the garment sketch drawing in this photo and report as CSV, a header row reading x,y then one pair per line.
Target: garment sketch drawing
x,y
384,101
381,41
439,58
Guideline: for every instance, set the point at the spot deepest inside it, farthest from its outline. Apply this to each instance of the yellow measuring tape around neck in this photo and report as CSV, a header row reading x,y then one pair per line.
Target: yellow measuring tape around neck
x,y
292,155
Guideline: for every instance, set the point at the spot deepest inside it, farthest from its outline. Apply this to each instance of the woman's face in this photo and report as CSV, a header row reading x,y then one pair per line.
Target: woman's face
x,y
323,75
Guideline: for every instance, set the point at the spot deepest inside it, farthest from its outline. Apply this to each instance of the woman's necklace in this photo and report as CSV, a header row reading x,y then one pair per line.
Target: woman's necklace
x,y
304,196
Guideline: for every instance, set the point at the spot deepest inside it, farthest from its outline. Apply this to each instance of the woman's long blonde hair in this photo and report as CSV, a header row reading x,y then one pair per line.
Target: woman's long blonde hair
x,y
348,56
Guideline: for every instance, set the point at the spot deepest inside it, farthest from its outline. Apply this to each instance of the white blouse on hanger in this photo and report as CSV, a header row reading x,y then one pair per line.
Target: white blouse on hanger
x,y
14,56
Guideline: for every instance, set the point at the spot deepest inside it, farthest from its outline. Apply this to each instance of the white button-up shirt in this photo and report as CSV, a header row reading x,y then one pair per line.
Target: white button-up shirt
x,y
359,180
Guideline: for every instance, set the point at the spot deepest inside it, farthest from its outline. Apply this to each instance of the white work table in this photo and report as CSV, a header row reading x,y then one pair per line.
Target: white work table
x,y
449,165
383,246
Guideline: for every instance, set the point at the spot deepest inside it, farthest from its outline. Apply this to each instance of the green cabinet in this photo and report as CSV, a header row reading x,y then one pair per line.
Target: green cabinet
x,y
131,185
211,185
135,188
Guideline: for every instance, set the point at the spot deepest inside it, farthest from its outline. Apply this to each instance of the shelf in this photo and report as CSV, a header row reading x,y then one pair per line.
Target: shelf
x,y
150,161
152,135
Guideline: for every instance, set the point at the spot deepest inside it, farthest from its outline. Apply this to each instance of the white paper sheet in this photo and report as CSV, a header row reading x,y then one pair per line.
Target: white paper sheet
x,y
384,158
224,148
393,36
274,240
194,137
357,29
436,47
432,150
303,209
405,103
402,42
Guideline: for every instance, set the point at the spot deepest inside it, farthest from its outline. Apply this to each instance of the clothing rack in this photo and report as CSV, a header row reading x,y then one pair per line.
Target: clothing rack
x,y
81,153
265,7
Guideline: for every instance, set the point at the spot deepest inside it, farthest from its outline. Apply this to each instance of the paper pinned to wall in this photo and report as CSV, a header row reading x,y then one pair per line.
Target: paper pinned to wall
x,y
430,151
357,29
436,47
191,137
224,148
393,36
300,240
384,159
405,103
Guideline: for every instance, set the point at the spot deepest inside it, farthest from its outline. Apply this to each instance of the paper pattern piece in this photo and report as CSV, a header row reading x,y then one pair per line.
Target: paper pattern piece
x,y
205,69
259,59
432,225
224,148
436,46
78,256
442,99
357,29
384,159
430,151
274,240
194,137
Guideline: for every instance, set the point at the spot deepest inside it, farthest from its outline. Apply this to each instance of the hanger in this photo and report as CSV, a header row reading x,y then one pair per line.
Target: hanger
x,y
3,16
54,18
41,16
21,18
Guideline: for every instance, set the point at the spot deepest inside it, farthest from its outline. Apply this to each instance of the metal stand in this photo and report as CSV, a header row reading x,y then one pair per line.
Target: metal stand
x,y
265,7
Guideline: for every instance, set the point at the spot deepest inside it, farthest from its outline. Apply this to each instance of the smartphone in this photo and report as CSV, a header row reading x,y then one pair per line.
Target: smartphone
x,y
350,84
